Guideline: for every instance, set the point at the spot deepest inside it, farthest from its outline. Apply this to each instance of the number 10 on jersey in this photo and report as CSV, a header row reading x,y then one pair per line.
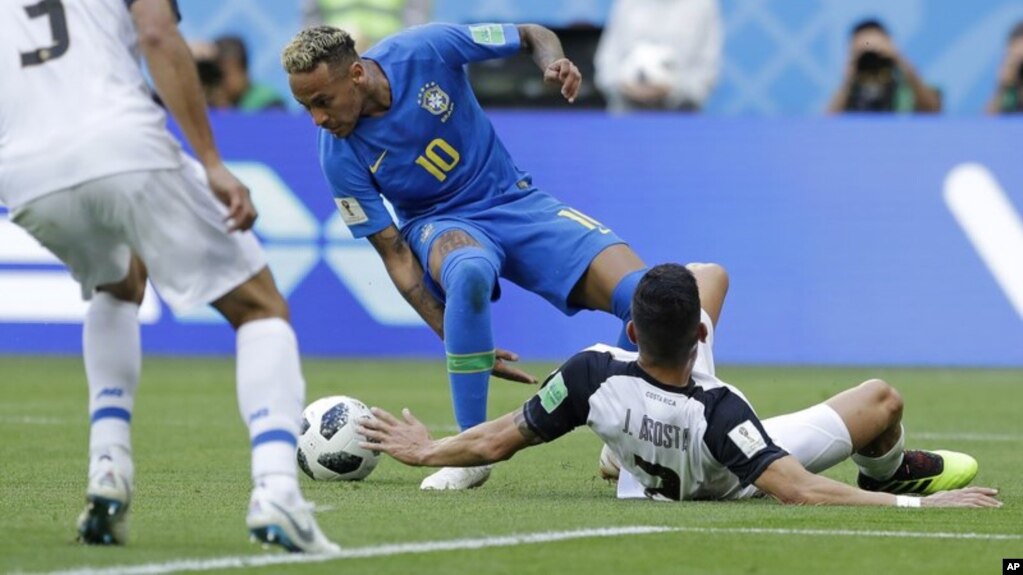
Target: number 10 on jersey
x,y
439,159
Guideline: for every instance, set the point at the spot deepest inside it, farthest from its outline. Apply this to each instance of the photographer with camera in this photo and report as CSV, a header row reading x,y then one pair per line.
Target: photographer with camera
x,y
1008,96
223,67
879,79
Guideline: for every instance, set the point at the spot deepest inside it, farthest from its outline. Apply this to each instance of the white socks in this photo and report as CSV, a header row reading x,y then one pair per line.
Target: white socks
x,y
113,361
881,468
271,396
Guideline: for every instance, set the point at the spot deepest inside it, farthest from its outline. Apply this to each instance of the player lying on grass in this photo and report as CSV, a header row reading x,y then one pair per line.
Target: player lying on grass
x,y
401,122
682,434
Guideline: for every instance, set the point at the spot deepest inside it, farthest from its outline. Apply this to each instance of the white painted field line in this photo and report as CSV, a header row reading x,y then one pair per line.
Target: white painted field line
x,y
853,533
32,420
966,436
250,561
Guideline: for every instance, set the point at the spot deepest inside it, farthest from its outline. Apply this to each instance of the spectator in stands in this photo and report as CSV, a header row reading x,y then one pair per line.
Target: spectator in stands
x,y
367,21
239,90
1008,96
211,76
878,78
659,54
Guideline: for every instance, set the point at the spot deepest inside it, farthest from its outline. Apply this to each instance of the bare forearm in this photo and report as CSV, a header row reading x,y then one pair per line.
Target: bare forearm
x,y
542,44
176,80
407,275
824,491
488,442
840,99
927,99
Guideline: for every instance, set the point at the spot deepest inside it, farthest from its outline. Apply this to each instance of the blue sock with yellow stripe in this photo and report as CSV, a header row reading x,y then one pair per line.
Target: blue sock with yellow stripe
x,y
468,279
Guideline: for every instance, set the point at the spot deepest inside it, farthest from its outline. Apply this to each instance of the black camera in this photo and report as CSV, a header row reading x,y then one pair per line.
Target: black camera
x,y
1019,73
873,63
210,74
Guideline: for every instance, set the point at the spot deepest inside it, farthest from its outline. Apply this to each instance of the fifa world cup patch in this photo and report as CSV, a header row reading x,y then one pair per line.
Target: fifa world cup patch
x,y
489,34
351,212
553,394
747,438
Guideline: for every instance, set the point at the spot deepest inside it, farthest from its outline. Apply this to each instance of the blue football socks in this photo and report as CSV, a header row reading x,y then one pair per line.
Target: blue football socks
x,y
468,277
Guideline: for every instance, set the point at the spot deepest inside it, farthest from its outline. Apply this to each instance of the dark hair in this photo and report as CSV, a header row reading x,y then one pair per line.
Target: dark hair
x,y
1017,31
233,48
868,24
666,313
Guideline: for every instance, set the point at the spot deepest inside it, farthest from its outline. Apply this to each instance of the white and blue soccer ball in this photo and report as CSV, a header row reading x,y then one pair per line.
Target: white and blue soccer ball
x,y
328,449
649,63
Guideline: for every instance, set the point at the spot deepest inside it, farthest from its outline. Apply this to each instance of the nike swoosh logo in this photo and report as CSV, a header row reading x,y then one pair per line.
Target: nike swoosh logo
x,y
373,169
305,534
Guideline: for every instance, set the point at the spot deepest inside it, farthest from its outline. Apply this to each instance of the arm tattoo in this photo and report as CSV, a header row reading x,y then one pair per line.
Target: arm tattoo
x,y
527,432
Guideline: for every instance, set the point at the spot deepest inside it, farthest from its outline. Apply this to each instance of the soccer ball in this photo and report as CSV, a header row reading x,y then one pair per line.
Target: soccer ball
x,y
649,63
328,449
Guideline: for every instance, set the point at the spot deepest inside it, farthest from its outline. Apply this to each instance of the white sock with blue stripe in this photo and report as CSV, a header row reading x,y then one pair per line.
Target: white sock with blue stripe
x,y
271,396
112,351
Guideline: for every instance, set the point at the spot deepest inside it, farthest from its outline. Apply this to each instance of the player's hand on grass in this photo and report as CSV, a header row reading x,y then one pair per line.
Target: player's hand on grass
x,y
505,371
231,192
563,72
965,497
406,441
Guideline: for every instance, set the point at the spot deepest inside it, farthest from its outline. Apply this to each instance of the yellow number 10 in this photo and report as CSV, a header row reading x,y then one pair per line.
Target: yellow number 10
x,y
438,165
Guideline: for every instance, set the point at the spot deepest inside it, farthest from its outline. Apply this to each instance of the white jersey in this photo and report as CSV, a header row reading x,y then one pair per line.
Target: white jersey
x,y
74,105
701,441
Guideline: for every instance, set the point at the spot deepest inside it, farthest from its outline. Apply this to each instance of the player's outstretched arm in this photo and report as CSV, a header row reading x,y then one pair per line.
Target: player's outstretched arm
x,y
177,81
789,482
548,54
174,74
408,440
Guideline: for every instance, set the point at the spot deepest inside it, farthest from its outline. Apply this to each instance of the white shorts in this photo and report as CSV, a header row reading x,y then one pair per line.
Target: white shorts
x,y
169,218
816,436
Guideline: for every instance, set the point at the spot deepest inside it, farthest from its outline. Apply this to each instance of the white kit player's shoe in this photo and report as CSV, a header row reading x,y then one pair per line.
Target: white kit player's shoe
x,y
457,478
286,520
107,500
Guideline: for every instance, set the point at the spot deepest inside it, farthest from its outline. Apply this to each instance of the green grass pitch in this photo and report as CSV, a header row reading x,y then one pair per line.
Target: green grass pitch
x,y
192,482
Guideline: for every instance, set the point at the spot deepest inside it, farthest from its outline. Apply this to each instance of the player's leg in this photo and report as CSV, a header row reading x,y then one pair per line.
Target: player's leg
x,y
180,233
467,272
608,285
81,227
872,412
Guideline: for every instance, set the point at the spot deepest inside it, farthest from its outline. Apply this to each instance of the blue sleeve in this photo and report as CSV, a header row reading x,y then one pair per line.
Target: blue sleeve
x,y
360,204
463,43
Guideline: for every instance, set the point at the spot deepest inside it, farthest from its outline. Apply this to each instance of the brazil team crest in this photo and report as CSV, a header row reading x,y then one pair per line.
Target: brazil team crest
x,y
436,101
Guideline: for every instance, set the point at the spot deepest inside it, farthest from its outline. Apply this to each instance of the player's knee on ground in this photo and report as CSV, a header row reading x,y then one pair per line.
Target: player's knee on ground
x,y
884,397
468,276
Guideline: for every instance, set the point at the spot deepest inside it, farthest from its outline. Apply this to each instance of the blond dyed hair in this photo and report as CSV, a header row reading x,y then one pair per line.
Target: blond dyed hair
x,y
318,44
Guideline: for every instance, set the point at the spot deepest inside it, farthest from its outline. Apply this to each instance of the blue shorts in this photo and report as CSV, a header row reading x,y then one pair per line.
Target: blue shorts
x,y
533,240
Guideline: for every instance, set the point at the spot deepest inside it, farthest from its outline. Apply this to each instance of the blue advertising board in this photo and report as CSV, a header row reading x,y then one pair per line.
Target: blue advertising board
x,y
868,240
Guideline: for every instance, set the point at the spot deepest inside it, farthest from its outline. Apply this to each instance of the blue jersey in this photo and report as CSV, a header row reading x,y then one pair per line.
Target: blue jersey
x,y
434,151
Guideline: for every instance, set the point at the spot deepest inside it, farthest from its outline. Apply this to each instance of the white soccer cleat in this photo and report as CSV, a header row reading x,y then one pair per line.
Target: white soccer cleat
x,y
608,466
107,500
286,520
457,478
